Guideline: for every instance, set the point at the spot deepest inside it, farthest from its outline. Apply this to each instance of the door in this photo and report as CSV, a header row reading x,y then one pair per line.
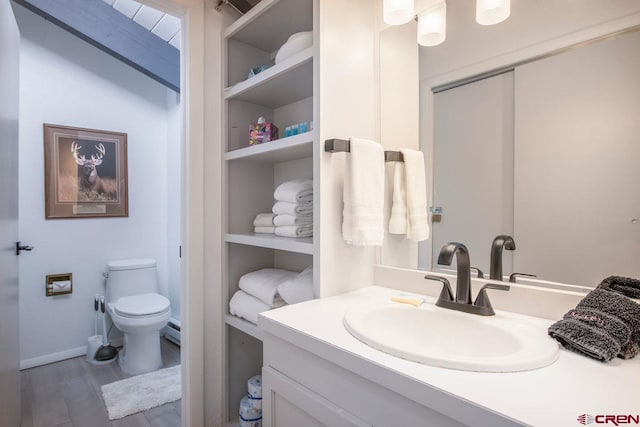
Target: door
x,y
9,350
473,167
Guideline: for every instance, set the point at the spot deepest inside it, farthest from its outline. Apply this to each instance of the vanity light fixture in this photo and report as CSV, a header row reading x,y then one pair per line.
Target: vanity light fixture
x,y
490,12
432,25
397,12
432,21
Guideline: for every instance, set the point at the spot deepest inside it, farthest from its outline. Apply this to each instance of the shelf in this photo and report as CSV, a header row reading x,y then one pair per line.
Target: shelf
x,y
243,325
269,23
302,245
281,150
284,83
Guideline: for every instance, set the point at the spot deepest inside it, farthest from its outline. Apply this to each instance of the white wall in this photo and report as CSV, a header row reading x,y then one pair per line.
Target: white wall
x,y
68,82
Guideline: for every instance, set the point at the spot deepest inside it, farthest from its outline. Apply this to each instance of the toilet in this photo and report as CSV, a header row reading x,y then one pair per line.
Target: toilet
x,y
139,311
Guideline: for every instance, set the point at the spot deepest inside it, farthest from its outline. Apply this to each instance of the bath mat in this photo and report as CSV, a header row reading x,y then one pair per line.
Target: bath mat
x,y
142,392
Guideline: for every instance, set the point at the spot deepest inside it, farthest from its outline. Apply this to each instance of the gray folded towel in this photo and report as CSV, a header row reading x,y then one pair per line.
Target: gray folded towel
x,y
623,285
625,309
591,332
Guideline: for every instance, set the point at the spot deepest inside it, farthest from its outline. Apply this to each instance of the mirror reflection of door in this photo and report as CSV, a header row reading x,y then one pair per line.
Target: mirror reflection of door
x,y
473,171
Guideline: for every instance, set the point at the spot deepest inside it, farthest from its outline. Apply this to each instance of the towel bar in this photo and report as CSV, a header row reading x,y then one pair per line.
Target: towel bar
x,y
335,145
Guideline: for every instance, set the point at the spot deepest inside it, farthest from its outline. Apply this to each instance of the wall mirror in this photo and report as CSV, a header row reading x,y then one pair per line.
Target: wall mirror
x,y
545,148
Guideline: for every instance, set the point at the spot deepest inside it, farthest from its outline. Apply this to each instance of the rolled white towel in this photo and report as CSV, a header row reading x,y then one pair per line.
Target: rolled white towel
x,y
264,220
264,230
285,208
280,220
294,231
299,288
263,284
295,191
246,306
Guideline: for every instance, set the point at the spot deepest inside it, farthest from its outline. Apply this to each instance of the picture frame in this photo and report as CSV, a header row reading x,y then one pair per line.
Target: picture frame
x,y
85,173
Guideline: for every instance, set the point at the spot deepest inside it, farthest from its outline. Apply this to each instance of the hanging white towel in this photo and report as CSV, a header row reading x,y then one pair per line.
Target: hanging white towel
x,y
263,220
299,288
296,191
294,209
246,306
294,230
398,219
263,284
281,220
264,230
416,185
363,194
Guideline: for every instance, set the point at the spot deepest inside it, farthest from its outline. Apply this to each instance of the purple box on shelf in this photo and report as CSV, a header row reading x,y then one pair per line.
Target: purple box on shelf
x,y
262,132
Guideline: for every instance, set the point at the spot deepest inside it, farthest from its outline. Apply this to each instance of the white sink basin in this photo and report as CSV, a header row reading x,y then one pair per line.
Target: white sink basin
x,y
451,339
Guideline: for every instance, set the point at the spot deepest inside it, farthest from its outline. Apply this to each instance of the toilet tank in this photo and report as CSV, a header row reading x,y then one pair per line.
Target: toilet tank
x,y
129,277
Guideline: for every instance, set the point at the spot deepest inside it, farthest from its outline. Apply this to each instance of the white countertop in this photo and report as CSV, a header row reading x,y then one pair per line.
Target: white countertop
x,y
552,396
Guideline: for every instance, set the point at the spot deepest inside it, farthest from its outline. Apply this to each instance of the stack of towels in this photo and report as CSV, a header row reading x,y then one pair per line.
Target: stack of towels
x,y
606,323
292,213
251,404
270,288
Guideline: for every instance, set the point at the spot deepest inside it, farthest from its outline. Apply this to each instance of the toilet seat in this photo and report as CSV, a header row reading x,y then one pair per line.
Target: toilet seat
x,y
140,306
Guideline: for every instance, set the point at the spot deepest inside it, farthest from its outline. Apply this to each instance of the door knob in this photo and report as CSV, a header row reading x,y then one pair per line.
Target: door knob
x,y
20,248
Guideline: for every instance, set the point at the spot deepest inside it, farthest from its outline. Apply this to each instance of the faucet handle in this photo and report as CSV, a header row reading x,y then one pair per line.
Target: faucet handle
x,y
513,276
445,294
479,272
482,300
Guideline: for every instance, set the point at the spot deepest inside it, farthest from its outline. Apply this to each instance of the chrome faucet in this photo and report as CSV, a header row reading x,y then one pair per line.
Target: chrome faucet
x,y
462,301
499,243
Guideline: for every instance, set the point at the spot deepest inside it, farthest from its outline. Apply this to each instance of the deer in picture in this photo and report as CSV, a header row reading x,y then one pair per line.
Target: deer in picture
x,y
89,179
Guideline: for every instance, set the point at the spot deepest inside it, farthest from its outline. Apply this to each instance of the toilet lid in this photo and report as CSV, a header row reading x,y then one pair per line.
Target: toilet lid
x,y
142,305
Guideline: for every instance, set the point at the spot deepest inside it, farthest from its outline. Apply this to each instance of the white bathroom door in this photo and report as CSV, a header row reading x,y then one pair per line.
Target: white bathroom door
x,y
9,342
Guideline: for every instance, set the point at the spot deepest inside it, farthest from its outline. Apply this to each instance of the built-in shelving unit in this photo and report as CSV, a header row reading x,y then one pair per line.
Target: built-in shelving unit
x,y
282,84
303,245
281,150
244,326
284,95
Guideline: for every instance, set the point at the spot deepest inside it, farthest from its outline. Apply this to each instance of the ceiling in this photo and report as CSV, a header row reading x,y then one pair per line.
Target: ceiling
x,y
163,25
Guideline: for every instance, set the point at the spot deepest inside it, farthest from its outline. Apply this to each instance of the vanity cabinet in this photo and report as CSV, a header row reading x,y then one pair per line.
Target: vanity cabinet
x,y
303,389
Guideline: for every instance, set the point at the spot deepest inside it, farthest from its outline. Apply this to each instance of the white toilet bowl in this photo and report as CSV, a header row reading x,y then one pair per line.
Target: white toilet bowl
x,y
140,318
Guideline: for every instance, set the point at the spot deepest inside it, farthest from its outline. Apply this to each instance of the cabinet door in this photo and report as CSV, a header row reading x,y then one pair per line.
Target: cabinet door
x,y
288,404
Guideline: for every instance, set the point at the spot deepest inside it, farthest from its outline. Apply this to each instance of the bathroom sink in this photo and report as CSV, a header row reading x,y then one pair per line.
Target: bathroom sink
x,y
451,339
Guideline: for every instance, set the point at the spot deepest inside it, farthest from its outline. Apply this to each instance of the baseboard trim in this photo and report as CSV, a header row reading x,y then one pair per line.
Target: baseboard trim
x,y
54,357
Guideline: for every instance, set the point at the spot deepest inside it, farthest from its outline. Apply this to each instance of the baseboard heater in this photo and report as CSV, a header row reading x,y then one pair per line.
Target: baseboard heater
x,y
172,331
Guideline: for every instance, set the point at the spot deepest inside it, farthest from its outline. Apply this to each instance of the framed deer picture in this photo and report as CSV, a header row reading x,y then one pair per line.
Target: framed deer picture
x,y
85,173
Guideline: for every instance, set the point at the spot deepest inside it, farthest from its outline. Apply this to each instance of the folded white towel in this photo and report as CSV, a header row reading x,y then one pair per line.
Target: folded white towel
x,y
294,231
280,220
363,194
264,220
285,208
264,230
263,284
298,289
415,179
398,219
246,306
295,191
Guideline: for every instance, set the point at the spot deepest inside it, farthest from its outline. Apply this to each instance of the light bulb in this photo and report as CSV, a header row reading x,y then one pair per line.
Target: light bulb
x,y
432,25
489,12
397,12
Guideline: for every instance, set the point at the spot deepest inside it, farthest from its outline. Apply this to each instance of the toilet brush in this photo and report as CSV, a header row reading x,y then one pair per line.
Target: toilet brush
x,y
106,351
